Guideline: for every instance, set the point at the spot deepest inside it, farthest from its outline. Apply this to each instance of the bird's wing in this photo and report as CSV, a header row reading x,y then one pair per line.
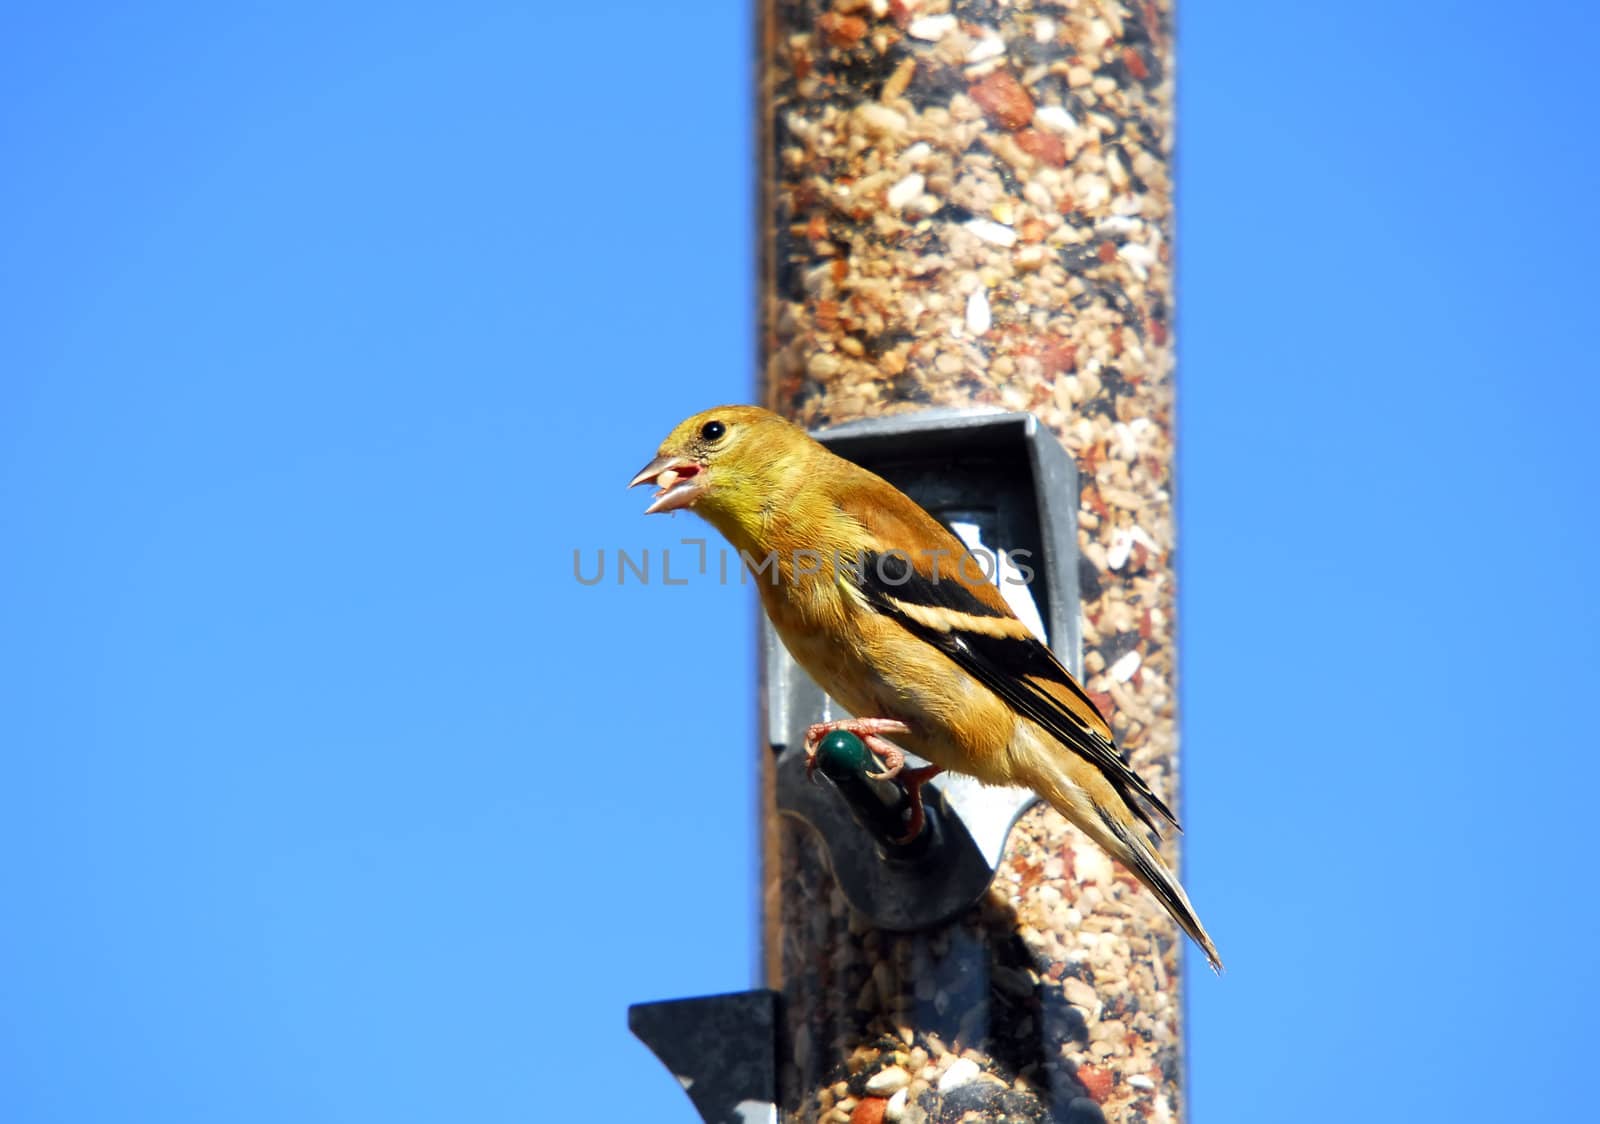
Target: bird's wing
x,y
902,577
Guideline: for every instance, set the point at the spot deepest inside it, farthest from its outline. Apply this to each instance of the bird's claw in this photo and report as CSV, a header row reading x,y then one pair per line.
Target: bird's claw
x,y
869,730
894,759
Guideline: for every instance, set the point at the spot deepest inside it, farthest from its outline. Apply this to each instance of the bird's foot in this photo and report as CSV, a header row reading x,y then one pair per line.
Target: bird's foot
x,y
869,730
875,732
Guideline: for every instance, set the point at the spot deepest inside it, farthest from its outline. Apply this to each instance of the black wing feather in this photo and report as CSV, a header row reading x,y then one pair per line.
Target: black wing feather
x,y
1004,664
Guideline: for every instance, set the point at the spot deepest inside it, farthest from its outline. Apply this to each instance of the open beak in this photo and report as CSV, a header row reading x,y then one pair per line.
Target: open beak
x,y
678,482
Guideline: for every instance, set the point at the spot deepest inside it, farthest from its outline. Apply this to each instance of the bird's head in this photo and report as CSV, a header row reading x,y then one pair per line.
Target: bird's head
x,y
728,464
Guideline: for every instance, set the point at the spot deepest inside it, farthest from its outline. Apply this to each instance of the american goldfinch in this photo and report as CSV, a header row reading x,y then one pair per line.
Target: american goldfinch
x,y
867,592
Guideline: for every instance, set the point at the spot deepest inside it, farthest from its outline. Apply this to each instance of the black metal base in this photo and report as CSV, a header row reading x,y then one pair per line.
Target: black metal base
x,y
723,1049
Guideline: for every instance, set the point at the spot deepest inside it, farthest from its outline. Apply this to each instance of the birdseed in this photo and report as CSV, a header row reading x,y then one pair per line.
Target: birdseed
x,y
970,203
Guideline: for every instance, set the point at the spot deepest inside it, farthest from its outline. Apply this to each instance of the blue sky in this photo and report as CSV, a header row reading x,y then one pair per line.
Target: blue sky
x,y
327,335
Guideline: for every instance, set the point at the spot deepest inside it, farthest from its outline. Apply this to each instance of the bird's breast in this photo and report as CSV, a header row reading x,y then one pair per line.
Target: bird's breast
x,y
874,668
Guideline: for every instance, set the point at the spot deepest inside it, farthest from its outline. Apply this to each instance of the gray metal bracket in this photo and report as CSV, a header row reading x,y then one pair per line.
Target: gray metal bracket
x,y
1004,480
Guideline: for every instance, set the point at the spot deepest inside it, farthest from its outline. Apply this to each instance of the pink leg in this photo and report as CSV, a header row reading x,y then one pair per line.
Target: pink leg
x,y
869,730
872,731
912,781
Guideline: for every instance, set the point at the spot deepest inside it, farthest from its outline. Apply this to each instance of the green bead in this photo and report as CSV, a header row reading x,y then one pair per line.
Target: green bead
x,y
842,753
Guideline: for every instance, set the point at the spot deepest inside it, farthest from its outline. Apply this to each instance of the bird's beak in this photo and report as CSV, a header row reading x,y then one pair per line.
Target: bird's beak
x,y
678,480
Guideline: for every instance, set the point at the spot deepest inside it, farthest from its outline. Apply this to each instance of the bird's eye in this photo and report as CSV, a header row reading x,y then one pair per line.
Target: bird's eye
x,y
713,430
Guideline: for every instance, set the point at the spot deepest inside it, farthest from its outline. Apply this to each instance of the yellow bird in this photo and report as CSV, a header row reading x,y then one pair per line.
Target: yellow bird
x,y
866,590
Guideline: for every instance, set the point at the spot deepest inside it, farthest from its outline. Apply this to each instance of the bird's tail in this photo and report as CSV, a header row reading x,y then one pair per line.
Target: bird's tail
x,y
1126,842
1103,814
